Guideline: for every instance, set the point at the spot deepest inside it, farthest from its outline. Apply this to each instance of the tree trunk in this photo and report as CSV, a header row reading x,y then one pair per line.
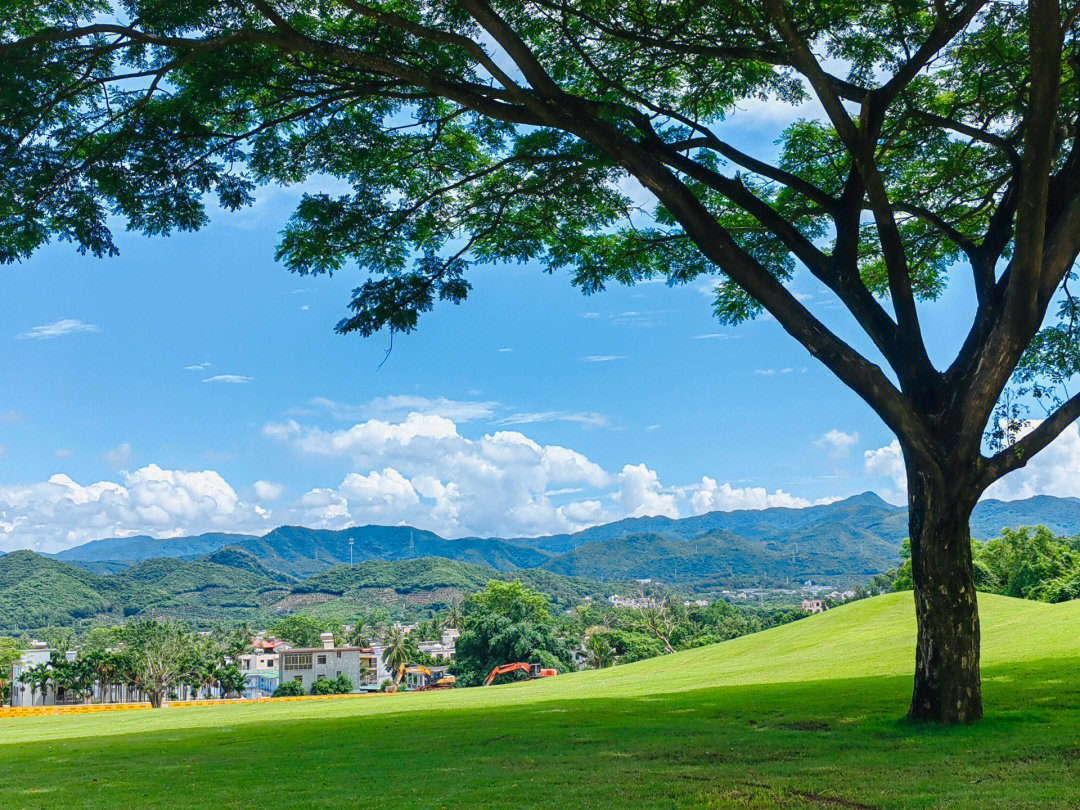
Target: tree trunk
x,y
948,688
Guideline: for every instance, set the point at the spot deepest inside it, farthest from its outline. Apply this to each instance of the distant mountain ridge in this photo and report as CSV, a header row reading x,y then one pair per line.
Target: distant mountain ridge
x,y
850,538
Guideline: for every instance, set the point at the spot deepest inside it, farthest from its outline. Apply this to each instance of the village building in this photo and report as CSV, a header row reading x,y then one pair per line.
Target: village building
x,y
443,649
361,665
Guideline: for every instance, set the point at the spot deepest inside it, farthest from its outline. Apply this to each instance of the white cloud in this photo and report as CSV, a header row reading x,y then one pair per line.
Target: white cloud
x,y
769,372
236,379
602,358
716,336
401,405
67,326
11,417
1054,471
62,453
584,418
60,513
640,494
496,484
837,444
712,497
888,462
118,457
268,490
3,450
197,367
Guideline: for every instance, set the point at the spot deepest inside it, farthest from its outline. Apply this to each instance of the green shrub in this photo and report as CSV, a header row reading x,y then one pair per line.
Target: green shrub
x,y
332,686
289,689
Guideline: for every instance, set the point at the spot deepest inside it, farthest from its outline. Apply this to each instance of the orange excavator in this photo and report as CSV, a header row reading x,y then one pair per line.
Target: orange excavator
x,y
534,670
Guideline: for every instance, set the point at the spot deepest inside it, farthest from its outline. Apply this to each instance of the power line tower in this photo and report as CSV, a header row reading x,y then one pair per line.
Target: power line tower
x,y
350,552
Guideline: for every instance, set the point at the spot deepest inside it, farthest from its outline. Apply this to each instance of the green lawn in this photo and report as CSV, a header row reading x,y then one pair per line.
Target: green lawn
x,y
806,715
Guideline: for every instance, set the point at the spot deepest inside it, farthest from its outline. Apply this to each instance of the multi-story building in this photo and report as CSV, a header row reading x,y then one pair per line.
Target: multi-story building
x,y
361,665
444,649
261,668
21,693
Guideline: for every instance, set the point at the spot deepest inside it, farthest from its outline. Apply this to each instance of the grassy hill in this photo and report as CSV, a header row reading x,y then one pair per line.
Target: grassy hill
x,y
806,715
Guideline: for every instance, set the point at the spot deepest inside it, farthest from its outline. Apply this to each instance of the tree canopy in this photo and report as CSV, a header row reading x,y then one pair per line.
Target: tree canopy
x,y
437,135
507,623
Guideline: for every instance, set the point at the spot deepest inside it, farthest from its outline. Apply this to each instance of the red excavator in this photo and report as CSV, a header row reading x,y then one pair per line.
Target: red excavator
x,y
535,671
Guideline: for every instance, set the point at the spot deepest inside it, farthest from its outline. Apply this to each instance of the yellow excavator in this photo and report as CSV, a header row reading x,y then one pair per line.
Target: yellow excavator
x,y
428,680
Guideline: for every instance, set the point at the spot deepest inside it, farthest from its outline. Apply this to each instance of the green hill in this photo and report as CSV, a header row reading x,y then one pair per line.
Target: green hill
x,y
231,585
435,581
36,591
805,715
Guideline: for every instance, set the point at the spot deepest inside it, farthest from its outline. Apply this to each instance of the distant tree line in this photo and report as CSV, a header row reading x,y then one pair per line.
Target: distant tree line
x,y
1026,563
145,660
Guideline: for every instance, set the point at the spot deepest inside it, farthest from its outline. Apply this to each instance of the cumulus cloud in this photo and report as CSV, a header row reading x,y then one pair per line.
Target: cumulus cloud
x,y
712,497
1054,471
67,326
837,444
60,512
268,490
640,494
422,470
888,462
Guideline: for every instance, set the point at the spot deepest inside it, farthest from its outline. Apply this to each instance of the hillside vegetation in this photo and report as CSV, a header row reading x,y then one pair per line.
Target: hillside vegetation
x,y
231,585
806,715
841,541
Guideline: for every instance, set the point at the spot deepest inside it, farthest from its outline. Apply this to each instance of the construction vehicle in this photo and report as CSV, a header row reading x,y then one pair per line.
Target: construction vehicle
x,y
534,671
428,681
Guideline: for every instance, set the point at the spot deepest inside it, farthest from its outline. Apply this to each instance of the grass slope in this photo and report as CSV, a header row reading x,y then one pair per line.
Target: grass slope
x,y
804,715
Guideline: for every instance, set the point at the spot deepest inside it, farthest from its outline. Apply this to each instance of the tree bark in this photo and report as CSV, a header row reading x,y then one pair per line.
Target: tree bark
x,y
947,688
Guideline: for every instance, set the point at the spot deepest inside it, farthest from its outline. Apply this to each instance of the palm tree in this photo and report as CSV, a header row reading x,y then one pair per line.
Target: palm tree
x,y
399,649
43,676
362,635
598,651
453,616
27,678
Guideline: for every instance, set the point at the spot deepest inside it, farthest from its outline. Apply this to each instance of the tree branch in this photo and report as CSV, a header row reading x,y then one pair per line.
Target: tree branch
x,y
1018,454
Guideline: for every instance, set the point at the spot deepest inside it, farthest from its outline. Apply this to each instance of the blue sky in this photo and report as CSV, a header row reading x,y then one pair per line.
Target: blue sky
x,y
193,384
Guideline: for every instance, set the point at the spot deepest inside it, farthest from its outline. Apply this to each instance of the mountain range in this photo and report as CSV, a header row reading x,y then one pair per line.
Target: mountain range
x,y
219,577
849,539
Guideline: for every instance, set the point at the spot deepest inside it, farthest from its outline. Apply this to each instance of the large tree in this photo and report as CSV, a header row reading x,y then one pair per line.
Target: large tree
x,y
482,130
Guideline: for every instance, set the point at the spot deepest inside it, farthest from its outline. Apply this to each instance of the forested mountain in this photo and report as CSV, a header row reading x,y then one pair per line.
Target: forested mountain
x,y
230,585
143,547
847,539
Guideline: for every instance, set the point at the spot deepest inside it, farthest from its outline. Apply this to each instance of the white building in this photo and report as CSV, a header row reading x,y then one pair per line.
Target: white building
x,y
21,693
444,649
361,665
